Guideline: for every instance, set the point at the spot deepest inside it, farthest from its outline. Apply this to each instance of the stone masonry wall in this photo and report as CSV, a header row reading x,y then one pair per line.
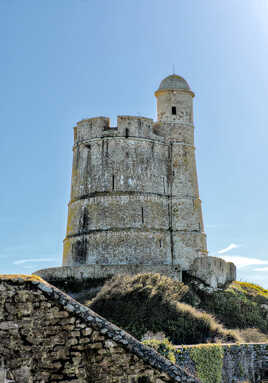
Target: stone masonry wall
x,y
46,336
241,362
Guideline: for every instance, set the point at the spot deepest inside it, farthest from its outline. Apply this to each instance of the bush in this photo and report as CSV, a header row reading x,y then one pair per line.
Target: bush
x,y
164,347
154,302
238,306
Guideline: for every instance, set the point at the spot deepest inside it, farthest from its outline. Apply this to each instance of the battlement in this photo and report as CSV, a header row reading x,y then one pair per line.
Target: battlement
x,y
92,128
135,126
127,126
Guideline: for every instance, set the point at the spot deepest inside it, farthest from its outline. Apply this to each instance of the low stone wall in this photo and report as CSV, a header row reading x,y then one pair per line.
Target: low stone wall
x,y
46,336
87,280
239,362
80,273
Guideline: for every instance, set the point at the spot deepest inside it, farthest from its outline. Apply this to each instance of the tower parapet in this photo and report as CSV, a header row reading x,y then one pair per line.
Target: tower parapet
x,y
135,126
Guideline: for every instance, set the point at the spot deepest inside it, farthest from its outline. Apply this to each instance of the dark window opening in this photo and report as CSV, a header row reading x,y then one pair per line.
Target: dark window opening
x,y
127,132
142,215
174,111
113,182
79,251
143,379
160,243
84,219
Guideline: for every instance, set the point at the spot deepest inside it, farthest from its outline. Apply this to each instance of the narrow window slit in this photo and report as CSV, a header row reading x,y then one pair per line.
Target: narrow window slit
x,y
174,111
113,182
142,215
127,132
160,243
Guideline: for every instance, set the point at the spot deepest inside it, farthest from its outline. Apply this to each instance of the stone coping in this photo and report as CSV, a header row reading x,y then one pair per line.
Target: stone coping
x,y
106,328
85,272
222,345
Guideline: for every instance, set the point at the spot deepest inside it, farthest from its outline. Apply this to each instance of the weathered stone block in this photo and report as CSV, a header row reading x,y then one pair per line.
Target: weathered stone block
x,y
214,271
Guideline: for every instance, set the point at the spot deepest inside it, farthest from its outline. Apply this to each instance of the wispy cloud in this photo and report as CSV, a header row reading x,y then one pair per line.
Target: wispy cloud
x,y
243,261
261,269
21,261
228,248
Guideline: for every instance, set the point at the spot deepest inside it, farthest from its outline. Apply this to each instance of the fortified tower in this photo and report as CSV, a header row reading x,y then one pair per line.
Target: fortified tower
x,y
134,194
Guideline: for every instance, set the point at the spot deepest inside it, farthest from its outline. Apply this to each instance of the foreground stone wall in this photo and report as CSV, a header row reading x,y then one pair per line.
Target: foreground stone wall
x,y
240,363
46,336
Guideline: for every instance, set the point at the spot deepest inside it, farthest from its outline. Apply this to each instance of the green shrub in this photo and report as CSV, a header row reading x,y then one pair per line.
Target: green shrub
x,y
208,362
238,306
164,347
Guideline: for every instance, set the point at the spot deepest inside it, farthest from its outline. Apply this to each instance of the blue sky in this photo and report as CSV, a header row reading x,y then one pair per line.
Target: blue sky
x,y
65,60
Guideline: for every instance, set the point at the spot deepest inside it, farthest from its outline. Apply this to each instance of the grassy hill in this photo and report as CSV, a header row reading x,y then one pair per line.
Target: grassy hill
x,y
185,313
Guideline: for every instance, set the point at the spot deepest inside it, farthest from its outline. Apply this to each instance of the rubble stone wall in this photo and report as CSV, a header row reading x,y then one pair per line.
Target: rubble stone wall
x,y
46,336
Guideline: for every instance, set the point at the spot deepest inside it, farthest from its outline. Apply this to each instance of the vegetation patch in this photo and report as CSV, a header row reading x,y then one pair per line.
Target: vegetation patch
x,y
164,347
238,306
208,362
154,302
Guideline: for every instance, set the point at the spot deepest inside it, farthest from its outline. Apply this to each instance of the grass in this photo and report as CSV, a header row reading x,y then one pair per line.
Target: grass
x,y
253,335
239,306
154,302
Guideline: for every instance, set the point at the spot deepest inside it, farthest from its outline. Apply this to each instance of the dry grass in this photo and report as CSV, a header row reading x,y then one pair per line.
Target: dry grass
x,y
253,335
154,302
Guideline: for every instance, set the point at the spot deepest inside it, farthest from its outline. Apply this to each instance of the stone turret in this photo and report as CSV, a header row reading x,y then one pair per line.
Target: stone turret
x,y
175,123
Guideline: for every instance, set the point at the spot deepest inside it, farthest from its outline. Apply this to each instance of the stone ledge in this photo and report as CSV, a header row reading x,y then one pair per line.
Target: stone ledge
x,y
85,272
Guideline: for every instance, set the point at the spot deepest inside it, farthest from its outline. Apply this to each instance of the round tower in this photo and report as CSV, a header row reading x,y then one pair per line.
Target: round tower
x,y
134,194
119,213
175,123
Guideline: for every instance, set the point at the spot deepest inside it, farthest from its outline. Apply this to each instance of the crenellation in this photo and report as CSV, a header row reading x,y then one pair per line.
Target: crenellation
x,y
93,128
135,126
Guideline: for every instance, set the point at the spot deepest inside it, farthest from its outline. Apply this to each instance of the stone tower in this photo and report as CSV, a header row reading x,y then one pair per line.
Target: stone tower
x,y
134,193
